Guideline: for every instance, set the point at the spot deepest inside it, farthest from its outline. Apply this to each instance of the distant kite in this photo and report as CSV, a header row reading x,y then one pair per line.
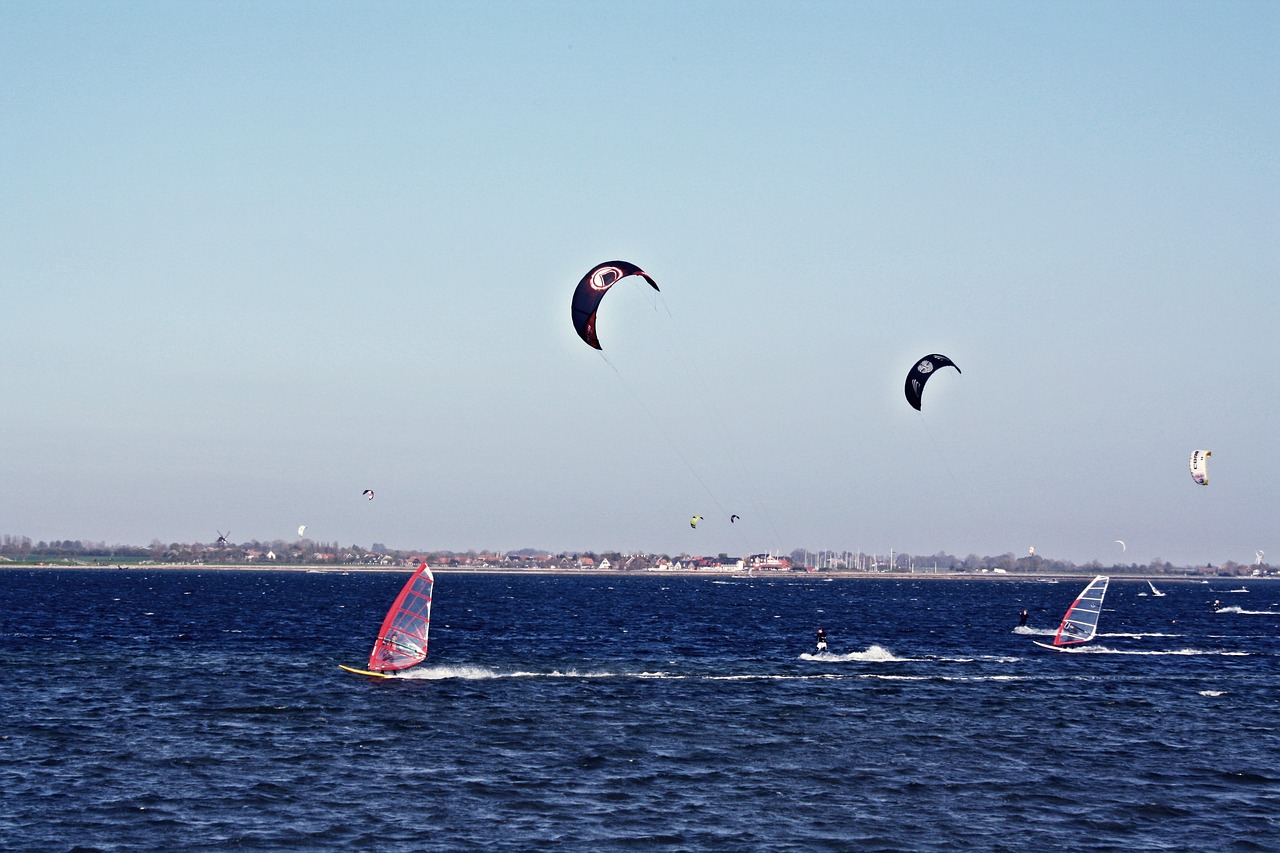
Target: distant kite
x,y
734,518
594,285
920,374
369,492
1200,466
1123,548
302,529
693,522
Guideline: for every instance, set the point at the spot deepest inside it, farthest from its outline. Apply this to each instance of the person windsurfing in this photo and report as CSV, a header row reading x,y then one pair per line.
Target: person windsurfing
x,y
822,640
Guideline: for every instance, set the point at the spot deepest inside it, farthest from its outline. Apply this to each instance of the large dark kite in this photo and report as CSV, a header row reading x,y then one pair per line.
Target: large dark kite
x,y
594,285
920,374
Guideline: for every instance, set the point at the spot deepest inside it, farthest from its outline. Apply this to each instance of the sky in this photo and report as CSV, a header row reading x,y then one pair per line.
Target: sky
x,y
258,257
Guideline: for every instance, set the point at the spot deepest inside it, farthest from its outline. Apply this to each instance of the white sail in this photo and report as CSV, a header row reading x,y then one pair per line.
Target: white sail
x,y
1154,591
1200,466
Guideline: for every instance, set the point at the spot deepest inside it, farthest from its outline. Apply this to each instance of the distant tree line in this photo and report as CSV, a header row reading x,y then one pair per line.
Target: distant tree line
x,y
306,551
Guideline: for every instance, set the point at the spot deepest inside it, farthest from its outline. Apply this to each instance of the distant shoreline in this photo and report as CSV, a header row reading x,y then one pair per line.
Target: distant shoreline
x,y
825,574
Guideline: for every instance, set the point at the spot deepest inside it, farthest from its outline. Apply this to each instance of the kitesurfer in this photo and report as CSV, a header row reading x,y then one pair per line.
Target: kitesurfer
x,y
1022,619
822,640
1216,605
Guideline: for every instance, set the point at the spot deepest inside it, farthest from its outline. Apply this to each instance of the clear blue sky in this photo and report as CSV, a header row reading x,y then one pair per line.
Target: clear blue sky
x,y
258,257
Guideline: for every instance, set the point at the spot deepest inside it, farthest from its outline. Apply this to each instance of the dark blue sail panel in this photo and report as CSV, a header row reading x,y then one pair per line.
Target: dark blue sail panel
x,y
920,374
594,285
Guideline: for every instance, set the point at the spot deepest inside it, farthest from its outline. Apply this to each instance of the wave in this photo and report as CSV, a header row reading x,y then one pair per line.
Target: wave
x,y
439,673
1244,612
1212,692
435,673
1139,636
480,673
873,654
1035,632
1103,650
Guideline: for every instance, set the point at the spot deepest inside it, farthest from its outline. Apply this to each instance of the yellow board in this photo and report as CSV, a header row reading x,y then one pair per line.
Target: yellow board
x,y
364,671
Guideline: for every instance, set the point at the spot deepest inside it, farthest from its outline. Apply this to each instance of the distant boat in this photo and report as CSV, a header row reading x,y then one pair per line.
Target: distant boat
x,y
1157,593
1080,623
402,641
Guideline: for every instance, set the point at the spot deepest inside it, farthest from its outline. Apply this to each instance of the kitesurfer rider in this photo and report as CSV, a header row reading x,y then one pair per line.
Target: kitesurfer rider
x,y
1022,619
822,640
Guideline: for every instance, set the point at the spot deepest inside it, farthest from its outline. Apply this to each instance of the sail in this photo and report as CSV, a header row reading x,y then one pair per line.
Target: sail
x,y
402,641
1081,621
1200,466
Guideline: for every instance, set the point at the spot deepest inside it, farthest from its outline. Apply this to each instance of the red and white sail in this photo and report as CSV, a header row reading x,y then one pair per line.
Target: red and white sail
x,y
1081,620
402,641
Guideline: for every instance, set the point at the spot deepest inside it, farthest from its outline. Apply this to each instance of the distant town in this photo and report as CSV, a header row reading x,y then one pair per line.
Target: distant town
x,y
279,553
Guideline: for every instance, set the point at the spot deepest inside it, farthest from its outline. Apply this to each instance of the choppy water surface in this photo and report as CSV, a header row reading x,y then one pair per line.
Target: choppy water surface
x,y
169,710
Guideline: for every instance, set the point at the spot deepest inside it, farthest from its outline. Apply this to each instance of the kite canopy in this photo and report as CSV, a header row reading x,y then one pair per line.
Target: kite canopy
x,y
1200,466
920,374
369,493
693,522
594,285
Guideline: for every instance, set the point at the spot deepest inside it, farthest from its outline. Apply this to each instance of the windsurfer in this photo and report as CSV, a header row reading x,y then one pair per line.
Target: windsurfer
x,y
822,640
1022,619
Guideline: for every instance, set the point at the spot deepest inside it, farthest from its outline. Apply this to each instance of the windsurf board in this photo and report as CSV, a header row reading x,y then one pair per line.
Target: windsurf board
x,y
364,671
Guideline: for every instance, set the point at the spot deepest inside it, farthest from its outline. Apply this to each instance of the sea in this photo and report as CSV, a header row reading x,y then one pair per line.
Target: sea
x,y
176,710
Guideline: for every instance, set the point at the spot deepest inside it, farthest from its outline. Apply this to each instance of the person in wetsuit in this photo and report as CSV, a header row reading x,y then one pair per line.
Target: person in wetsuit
x,y
1022,619
822,640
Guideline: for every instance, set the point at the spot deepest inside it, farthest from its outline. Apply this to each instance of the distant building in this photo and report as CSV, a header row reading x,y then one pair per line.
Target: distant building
x,y
768,563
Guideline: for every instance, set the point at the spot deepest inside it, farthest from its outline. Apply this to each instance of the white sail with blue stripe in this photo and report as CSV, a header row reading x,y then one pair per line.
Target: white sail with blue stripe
x,y
1080,623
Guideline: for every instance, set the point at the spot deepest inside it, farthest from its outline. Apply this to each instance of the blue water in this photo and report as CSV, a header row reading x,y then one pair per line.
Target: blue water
x,y
173,710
